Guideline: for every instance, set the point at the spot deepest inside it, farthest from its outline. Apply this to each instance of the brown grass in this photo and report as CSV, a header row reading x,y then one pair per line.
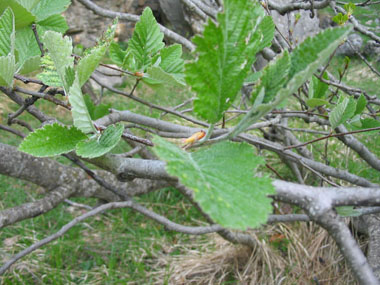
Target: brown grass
x,y
285,254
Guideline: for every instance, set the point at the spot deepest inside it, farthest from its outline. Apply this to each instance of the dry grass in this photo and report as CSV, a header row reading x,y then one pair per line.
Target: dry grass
x,y
285,254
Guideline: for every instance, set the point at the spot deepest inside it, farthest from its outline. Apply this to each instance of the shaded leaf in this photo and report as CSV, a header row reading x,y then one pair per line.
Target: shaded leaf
x,y
101,145
361,104
342,112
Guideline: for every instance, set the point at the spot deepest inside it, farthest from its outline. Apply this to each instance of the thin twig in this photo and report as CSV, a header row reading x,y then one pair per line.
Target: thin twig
x,y
332,136
40,45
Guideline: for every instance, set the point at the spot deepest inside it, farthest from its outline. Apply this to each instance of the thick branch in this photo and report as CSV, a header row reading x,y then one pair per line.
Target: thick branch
x,y
36,208
348,247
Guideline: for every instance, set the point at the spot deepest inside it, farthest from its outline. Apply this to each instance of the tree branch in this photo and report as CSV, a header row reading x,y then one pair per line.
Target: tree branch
x,y
134,18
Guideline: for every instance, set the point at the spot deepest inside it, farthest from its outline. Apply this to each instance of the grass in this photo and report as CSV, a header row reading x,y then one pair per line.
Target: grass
x,y
123,247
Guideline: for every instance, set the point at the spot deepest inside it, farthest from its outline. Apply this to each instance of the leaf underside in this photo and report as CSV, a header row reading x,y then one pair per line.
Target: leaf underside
x,y
101,145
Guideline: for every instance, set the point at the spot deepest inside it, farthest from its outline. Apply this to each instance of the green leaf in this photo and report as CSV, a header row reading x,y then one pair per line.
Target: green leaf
x,y
60,50
28,4
52,140
226,53
158,79
223,181
342,112
101,145
348,211
116,54
316,102
26,45
366,123
146,40
319,88
267,28
273,77
171,61
22,16
81,117
53,23
30,65
46,8
49,75
361,104
7,70
7,33
88,64
340,19
305,60
96,111
253,77
350,8
370,123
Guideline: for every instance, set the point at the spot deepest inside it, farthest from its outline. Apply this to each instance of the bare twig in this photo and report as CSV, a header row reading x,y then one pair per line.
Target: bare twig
x,y
134,18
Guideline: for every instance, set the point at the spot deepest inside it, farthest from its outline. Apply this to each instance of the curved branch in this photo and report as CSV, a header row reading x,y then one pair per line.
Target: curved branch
x,y
115,205
36,208
283,9
348,247
359,148
134,18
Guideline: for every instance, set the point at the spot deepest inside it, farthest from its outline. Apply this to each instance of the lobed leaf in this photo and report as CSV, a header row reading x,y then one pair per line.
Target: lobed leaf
x,y
52,140
101,145
223,181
